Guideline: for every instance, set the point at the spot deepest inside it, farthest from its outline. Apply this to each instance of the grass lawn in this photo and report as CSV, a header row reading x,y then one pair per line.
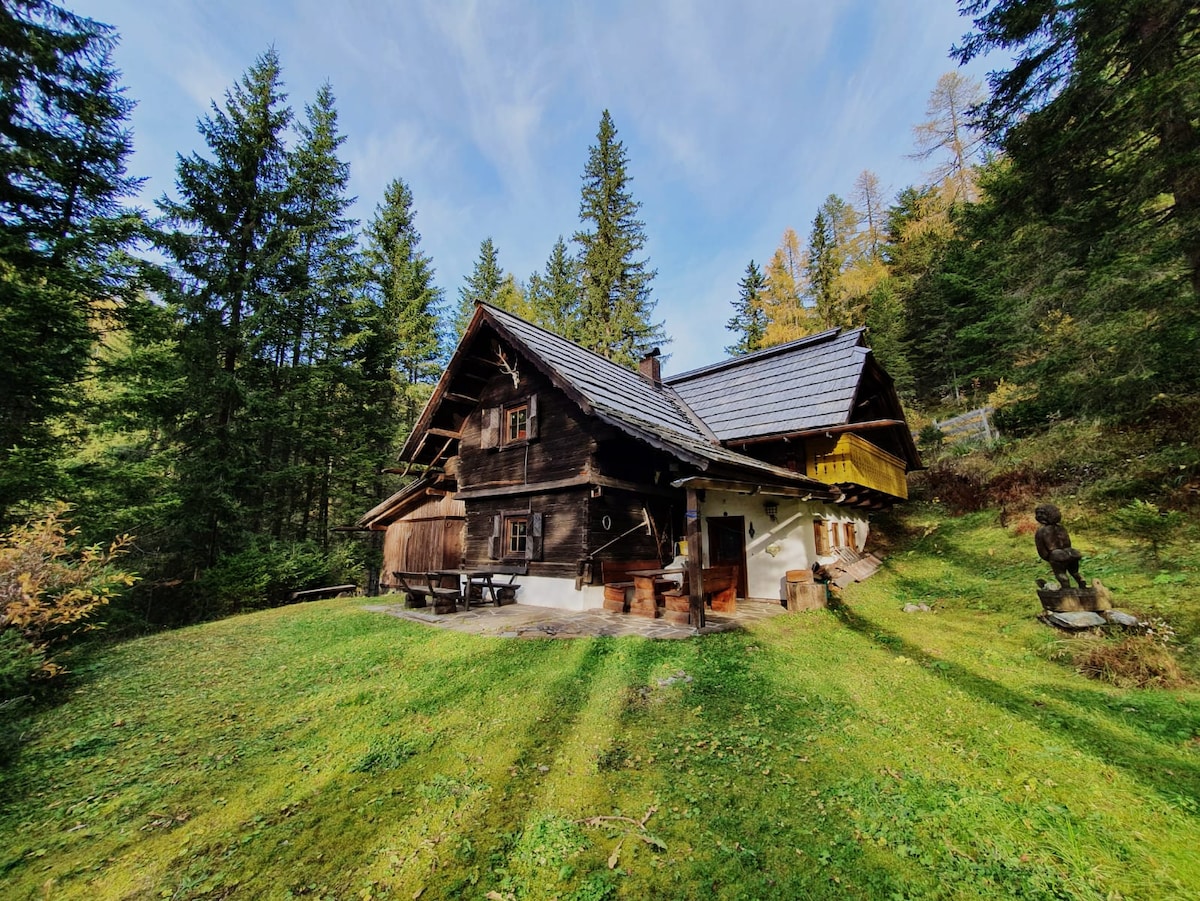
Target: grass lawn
x,y
320,751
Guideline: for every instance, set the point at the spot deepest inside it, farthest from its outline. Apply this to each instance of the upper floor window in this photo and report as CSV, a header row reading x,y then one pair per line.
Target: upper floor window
x,y
516,423
513,423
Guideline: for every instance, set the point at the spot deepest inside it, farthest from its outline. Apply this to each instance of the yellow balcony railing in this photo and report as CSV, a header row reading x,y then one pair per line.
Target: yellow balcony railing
x,y
849,459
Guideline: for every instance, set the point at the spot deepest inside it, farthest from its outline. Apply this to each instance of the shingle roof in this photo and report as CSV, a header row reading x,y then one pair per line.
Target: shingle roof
x,y
805,384
627,400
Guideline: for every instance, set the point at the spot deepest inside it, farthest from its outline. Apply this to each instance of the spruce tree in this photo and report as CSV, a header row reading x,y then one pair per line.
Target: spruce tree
x,y
749,321
63,148
401,354
616,307
554,295
1099,118
229,243
481,286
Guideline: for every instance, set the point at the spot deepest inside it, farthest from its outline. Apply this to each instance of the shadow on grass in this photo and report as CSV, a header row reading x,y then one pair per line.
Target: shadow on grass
x,y
1049,707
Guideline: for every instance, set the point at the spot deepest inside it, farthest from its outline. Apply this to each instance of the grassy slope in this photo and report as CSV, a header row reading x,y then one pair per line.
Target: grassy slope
x,y
321,751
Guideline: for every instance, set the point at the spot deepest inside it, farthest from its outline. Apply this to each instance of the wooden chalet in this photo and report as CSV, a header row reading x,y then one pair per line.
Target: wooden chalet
x,y
538,453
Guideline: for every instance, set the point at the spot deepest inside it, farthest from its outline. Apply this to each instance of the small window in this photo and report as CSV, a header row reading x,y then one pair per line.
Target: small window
x,y
516,423
849,538
516,530
821,535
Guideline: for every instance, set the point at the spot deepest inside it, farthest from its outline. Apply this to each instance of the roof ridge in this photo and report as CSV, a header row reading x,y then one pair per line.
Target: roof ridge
x,y
775,350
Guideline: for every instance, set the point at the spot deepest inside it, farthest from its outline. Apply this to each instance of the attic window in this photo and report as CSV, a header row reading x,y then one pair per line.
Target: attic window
x,y
516,423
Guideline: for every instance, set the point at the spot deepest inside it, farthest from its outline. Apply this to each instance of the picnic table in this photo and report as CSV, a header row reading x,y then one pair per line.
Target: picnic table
x,y
648,588
421,586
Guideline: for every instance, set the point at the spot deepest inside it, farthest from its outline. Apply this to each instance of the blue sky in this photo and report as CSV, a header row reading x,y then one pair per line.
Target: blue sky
x,y
738,118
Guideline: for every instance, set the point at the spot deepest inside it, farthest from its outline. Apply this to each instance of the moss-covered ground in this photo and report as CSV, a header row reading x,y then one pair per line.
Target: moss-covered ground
x,y
321,751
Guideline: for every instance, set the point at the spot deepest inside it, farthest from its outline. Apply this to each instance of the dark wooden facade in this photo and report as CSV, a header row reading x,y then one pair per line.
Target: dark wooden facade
x,y
579,481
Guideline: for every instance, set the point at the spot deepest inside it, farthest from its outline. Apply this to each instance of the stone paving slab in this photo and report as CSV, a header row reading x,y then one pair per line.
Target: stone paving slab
x,y
524,621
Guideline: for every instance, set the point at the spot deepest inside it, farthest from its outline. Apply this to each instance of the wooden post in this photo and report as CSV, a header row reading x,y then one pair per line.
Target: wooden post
x,y
695,549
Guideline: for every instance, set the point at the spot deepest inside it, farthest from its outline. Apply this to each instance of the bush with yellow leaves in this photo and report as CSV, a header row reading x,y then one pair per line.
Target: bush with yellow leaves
x,y
49,590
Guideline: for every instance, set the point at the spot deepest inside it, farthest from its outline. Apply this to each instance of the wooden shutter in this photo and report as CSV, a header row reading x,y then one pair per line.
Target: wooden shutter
x,y
533,543
494,548
489,427
531,423
821,535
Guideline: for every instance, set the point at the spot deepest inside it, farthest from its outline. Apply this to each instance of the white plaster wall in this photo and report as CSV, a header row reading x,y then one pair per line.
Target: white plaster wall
x,y
545,591
791,535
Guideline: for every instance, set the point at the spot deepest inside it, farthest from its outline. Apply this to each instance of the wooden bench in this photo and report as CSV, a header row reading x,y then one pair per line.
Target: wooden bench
x,y
317,594
488,581
720,588
421,587
677,603
619,586
720,593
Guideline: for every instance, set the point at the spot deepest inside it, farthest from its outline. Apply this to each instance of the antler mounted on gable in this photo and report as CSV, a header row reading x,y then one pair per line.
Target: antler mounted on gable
x,y
507,367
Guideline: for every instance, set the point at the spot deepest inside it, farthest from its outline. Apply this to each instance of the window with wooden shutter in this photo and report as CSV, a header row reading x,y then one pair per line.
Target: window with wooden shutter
x,y
821,535
519,422
849,536
516,423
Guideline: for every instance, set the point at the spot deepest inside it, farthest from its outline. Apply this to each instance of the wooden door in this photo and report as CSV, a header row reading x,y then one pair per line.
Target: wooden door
x,y
727,546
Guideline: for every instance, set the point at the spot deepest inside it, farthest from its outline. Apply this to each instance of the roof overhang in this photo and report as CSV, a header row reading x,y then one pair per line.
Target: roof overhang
x,y
815,492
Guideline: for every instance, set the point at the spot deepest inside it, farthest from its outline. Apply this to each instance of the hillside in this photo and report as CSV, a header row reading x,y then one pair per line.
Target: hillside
x,y
322,751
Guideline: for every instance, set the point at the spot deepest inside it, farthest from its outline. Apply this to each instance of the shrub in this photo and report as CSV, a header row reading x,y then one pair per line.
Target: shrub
x,y
1138,661
50,589
263,574
1149,525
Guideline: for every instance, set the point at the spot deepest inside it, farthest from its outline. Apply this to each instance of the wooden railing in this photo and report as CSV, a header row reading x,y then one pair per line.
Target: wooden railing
x,y
849,459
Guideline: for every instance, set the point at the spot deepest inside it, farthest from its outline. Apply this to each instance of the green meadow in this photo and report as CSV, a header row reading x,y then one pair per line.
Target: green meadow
x,y
324,751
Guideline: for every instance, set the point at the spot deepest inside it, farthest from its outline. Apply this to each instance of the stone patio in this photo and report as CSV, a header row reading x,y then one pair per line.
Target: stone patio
x,y
522,621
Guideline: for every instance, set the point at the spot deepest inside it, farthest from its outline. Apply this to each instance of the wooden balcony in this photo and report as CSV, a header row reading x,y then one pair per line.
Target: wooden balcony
x,y
850,460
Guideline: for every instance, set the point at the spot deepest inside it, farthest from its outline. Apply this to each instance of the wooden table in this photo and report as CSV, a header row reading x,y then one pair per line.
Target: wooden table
x,y
646,589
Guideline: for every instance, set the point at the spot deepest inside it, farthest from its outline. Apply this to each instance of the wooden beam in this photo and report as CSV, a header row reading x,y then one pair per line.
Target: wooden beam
x,y
829,430
695,549
523,488
461,398
444,433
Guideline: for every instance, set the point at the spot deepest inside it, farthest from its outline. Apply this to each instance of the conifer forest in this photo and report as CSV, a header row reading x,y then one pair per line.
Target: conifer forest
x,y
204,391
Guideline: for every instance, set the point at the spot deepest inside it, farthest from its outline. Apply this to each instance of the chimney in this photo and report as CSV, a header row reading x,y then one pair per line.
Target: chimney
x,y
650,369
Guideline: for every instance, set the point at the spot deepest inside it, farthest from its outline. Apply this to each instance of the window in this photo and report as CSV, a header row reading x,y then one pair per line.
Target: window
x,y
516,423
512,424
849,538
516,530
821,535
516,535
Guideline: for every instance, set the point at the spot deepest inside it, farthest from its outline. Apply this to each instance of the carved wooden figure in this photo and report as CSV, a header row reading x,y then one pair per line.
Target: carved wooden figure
x,y
1054,546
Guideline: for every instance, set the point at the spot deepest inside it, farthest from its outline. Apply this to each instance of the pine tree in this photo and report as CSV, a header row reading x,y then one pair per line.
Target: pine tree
x,y
749,321
554,297
616,308
481,286
63,147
